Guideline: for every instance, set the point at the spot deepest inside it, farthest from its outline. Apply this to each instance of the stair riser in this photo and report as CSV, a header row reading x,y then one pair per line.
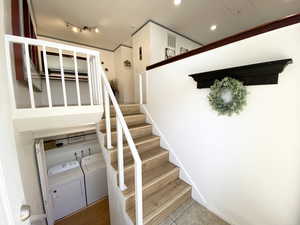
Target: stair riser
x,y
166,212
126,110
148,191
142,147
130,121
135,133
149,164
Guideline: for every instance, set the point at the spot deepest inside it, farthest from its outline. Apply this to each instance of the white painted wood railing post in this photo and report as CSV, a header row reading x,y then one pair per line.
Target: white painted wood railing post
x,y
28,70
10,75
77,78
62,72
89,79
99,85
138,192
47,76
141,88
94,92
107,119
120,155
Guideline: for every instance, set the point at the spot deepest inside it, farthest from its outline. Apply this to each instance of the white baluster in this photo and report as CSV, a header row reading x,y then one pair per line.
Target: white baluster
x,y
28,69
10,75
138,192
95,90
47,77
99,71
77,79
107,119
62,73
96,81
89,79
120,155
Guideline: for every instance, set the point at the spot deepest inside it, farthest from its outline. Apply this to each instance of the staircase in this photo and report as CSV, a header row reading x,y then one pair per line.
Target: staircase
x,y
163,190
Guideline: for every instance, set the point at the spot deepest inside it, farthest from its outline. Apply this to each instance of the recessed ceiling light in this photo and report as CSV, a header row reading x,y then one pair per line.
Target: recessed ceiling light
x,y
213,27
177,2
97,30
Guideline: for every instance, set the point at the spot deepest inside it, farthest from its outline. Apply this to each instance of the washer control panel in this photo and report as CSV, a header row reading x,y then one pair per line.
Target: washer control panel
x,y
63,167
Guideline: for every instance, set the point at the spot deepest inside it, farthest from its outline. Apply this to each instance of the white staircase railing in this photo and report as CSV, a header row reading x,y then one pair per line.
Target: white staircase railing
x,y
93,59
122,127
97,83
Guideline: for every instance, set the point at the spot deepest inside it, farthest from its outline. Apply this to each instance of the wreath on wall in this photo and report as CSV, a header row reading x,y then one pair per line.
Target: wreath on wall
x,y
227,96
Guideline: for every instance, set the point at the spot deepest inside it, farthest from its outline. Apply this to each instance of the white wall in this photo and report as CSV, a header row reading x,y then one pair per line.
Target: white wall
x,y
247,166
154,40
124,74
26,152
159,42
11,187
140,39
3,217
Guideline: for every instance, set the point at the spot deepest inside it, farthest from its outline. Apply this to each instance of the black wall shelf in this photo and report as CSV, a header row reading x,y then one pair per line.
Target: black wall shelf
x,y
255,74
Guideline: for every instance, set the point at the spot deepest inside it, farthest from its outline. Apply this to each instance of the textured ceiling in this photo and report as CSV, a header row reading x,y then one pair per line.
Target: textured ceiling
x,y
118,19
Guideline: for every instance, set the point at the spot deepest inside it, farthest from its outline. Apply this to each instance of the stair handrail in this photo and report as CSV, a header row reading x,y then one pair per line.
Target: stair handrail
x,y
122,127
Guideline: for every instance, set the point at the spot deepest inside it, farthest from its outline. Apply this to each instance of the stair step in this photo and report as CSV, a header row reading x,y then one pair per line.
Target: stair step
x,y
153,180
131,120
159,205
150,159
142,144
127,109
136,131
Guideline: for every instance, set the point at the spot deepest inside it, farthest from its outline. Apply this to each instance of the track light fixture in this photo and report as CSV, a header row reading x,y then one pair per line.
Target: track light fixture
x,y
77,29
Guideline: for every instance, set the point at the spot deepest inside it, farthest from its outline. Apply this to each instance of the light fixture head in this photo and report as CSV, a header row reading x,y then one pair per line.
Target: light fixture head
x,y
177,2
75,29
213,27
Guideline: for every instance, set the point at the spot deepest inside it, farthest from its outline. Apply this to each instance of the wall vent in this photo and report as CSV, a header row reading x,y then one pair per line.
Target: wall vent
x,y
171,41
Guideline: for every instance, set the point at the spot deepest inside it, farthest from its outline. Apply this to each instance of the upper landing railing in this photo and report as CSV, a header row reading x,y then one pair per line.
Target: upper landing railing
x,y
93,70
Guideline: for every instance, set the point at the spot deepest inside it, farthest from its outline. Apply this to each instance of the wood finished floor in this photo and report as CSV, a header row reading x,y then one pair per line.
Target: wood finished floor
x,y
96,214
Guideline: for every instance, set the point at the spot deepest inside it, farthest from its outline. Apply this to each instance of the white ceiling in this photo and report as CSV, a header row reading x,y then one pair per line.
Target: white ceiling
x,y
118,19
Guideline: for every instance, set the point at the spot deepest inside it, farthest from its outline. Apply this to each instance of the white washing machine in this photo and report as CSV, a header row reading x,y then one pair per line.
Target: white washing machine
x,y
67,190
94,170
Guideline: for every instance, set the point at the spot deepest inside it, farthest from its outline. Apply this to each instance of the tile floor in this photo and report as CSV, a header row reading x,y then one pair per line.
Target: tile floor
x,y
192,213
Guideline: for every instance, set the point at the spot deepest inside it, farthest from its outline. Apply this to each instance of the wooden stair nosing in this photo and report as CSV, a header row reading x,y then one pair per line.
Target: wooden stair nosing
x,y
141,141
163,174
145,157
131,128
126,109
168,195
126,117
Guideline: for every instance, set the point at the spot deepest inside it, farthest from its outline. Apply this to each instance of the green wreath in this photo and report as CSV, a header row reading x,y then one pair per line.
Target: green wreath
x,y
227,96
